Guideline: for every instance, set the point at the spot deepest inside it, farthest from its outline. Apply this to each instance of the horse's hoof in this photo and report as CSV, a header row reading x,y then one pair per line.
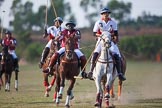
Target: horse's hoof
x,y
60,96
112,106
16,89
113,95
71,97
97,104
54,100
119,98
107,96
57,103
49,88
46,95
67,106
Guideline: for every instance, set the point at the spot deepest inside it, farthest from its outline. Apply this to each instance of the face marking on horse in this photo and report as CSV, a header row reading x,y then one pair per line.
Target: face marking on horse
x,y
106,41
69,48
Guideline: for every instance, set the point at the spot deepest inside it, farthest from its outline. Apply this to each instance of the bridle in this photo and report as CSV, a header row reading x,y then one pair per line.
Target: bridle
x,y
69,48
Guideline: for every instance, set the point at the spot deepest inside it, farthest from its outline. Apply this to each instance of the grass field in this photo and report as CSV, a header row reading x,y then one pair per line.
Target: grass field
x,y
142,89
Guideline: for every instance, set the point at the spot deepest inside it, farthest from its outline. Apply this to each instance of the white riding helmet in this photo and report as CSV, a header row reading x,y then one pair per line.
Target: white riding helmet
x,y
58,19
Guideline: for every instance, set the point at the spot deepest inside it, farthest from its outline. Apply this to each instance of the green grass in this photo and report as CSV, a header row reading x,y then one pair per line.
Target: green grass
x,y
142,89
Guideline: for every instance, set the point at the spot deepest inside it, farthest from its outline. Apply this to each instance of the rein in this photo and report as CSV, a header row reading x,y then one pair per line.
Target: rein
x,y
105,62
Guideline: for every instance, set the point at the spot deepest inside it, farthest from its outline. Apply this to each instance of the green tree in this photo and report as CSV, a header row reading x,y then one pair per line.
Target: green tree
x,y
26,21
120,10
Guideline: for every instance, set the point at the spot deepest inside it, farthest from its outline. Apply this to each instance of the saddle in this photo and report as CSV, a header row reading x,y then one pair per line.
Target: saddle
x,y
62,54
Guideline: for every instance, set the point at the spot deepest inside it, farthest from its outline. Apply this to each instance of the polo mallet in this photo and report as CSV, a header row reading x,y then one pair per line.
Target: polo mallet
x,y
46,16
2,24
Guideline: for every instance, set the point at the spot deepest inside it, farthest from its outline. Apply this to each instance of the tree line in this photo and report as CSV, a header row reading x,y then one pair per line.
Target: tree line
x,y
26,21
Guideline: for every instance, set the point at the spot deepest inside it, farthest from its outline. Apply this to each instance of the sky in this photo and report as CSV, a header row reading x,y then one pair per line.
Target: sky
x,y
154,7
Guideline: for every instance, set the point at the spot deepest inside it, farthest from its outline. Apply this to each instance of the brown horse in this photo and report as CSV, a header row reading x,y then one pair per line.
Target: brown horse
x,y
48,86
68,68
124,63
6,67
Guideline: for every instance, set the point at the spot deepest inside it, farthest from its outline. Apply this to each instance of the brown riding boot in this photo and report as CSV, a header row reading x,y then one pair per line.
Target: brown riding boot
x,y
83,67
44,56
52,62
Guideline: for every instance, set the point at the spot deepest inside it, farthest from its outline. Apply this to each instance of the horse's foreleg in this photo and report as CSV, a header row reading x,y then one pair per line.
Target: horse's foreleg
x,y
16,81
69,93
99,95
119,89
62,85
108,86
57,89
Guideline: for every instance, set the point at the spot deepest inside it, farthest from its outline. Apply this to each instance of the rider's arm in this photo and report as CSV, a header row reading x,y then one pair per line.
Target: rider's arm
x,y
78,34
45,33
96,30
115,37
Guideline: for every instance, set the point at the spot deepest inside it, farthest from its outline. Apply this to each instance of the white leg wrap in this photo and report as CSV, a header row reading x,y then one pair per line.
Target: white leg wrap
x,y
16,83
67,100
61,90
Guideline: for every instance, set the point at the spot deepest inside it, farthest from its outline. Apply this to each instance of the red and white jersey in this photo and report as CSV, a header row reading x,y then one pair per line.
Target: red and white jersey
x,y
66,33
10,42
53,31
102,26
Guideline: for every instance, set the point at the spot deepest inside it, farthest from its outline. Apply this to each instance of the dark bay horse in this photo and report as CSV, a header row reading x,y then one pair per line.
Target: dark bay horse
x,y
54,47
68,68
6,67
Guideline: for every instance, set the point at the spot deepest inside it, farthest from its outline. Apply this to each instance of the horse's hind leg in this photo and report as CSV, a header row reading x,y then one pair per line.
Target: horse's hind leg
x,y
69,93
16,81
52,83
57,89
46,84
119,89
1,80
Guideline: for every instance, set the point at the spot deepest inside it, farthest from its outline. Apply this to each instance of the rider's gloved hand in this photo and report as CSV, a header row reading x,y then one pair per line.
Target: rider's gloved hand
x,y
90,75
84,74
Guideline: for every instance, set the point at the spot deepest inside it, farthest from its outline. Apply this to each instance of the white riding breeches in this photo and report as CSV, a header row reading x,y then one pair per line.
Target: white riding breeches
x,y
77,51
114,49
13,53
61,50
48,45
